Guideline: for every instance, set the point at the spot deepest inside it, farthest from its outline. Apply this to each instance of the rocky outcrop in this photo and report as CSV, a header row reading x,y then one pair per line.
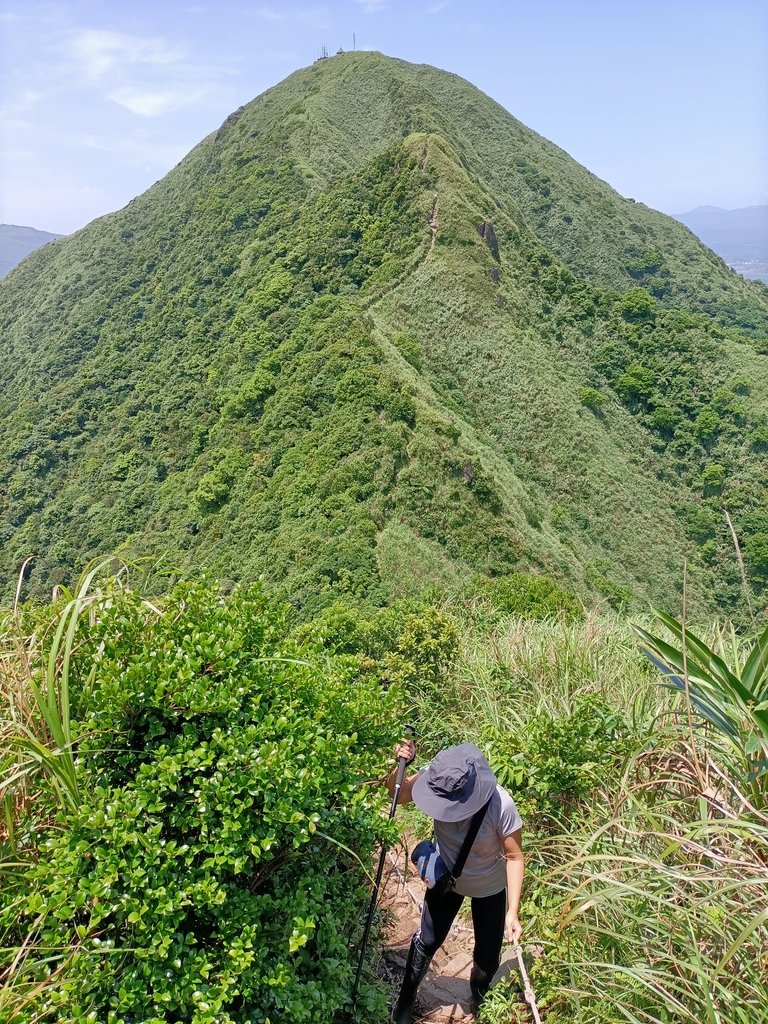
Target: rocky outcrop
x,y
486,231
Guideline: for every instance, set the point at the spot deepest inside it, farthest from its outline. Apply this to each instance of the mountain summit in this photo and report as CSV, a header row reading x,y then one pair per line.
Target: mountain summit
x,y
375,334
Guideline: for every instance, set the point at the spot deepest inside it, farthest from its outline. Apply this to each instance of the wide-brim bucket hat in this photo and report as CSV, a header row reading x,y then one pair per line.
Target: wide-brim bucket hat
x,y
458,782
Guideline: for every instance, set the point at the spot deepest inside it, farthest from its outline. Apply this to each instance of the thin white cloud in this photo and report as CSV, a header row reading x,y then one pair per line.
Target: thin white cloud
x,y
152,103
316,16
270,13
19,103
437,6
99,51
137,150
372,6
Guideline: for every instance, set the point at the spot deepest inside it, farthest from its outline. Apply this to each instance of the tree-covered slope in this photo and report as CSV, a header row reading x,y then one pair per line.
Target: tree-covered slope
x,y
344,111
345,343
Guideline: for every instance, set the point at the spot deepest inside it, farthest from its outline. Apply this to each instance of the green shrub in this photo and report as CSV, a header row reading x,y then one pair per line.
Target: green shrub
x,y
635,383
591,399
712,478
213,490
664,420
759,437
617,595
206,876
427,647
706,425
756,554
637,304
337,628
555,761
700,523
410,348
531,597
646,263
250,399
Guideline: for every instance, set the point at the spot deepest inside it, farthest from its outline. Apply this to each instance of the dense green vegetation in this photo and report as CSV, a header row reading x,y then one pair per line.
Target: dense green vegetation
x,y
375,334
190,869
188,812
419,392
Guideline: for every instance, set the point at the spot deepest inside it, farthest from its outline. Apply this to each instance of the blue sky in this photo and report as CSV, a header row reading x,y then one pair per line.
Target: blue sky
x,y
667,101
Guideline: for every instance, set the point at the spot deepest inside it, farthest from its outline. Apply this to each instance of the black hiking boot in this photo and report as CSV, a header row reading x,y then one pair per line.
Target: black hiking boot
x,y
479,983
415,969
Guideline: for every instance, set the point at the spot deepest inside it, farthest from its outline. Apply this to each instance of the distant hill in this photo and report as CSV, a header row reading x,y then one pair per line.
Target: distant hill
x,y
739,236
17,242
373,335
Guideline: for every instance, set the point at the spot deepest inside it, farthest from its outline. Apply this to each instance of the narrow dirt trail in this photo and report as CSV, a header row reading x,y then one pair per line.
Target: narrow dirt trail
x,y
433,224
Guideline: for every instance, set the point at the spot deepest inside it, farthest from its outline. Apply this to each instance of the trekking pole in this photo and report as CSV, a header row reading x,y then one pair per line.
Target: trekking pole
x,y
530,998
401,766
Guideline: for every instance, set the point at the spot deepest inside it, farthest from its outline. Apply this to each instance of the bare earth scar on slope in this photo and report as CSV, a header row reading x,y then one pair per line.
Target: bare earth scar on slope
x,y
444,994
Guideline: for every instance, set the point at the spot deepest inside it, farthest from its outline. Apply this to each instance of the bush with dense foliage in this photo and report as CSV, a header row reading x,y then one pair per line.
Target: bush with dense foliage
x,y
555,761
202,866
206,873
531,597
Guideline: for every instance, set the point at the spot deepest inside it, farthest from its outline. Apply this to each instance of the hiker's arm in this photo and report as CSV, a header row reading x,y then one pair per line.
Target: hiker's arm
x,y
513,855
406,749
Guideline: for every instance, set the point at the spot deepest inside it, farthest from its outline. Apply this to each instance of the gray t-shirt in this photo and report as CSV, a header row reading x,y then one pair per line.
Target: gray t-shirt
x,y
484,873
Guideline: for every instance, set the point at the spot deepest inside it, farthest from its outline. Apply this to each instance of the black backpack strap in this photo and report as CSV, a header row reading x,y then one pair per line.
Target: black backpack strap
x,y
474,828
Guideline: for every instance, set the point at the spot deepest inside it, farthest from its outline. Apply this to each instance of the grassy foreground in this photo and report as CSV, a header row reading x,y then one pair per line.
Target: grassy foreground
x,y
645,897
188,815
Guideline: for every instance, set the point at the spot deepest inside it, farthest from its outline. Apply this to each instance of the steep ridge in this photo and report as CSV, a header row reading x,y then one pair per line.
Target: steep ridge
x,y
344,347
353,106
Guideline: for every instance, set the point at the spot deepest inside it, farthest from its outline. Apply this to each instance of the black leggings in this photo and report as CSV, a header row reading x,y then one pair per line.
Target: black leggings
x,y
488,914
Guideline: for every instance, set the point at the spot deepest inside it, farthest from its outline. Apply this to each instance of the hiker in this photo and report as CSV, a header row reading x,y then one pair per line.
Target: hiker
x,y
458,789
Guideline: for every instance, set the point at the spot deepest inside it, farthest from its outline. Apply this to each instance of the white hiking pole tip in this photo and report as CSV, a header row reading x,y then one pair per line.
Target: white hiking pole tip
x,y
530,998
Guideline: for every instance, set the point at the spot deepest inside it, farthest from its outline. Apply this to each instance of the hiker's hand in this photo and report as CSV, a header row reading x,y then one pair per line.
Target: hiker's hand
x,y
407,749
512,929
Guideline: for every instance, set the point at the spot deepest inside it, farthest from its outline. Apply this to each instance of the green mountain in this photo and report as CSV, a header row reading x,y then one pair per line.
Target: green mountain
x,y
373,335
16,242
